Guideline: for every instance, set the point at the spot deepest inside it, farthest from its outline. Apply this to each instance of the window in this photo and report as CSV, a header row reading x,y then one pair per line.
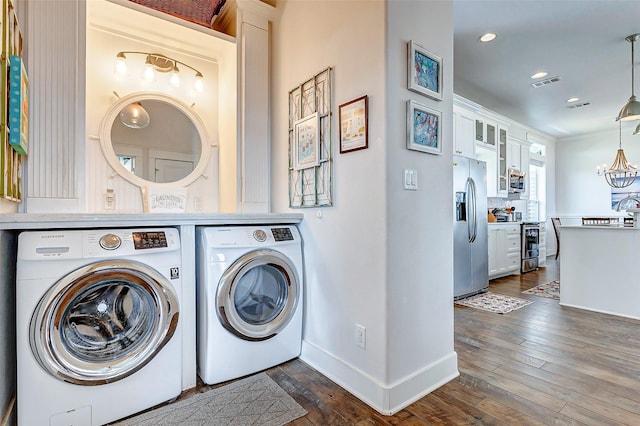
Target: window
x,y
536,205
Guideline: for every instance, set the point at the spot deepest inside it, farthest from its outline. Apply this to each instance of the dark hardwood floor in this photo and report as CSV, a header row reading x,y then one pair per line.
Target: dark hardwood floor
x,y
540,365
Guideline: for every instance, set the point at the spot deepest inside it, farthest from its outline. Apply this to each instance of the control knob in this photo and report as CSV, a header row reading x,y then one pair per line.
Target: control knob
x,y
110,241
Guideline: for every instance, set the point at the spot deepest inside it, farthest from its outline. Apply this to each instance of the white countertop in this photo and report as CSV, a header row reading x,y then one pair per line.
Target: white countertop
x,y
70,221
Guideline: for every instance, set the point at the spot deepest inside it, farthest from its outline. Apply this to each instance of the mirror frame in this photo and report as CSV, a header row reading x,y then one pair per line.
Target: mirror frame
x,y
112,158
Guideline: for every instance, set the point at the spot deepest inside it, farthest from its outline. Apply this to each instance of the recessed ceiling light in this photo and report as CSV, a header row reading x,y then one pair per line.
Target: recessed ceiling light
x,y
573,99
539,74
488,37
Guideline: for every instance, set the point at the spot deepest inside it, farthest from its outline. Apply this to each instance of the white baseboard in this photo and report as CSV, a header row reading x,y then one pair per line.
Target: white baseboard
x,y
386,399
4,421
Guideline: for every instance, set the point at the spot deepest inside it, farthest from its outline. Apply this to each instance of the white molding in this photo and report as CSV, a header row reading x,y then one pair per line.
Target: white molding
x,y
467,104
387,399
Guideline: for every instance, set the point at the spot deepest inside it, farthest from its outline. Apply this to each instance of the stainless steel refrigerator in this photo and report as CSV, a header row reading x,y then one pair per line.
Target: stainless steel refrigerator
x,y
470,250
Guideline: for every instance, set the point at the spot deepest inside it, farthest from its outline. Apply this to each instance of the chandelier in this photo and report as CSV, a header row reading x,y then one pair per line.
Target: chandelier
x,y
621,173
156,62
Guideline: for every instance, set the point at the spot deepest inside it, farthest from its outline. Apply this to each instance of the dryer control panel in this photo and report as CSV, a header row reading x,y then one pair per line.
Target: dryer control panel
x,y
282,234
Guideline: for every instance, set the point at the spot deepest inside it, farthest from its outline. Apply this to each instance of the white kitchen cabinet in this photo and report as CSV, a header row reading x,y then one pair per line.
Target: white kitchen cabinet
x,y
542,246
504,249
464,131
502,170
518,159
485,132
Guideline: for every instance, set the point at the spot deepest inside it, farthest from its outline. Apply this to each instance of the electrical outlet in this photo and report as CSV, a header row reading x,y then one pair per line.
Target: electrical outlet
x,y
110,200
361,336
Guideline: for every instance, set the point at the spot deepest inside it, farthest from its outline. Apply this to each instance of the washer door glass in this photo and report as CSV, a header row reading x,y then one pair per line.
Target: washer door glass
x,y
103,322
257,295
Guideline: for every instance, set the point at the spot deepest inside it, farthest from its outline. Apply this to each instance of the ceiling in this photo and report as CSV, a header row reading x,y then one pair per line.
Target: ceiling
x,y
580,41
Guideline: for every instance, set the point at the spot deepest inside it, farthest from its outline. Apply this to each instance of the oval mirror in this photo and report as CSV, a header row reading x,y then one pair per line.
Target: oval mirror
x,y
151,138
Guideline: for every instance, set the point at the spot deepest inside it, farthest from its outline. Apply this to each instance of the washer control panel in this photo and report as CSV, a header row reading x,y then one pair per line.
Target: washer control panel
x,y
147,240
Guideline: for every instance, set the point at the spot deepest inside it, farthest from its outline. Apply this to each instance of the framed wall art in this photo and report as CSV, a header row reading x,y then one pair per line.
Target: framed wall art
x,y
310,151
353,125
306,142
424,128
424,71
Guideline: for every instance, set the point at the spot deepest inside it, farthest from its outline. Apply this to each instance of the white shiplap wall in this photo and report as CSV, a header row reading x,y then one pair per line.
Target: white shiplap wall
x,y
55,162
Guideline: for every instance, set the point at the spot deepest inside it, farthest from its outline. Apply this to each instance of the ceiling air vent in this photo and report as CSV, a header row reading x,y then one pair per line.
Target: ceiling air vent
x,y
545,82
584,104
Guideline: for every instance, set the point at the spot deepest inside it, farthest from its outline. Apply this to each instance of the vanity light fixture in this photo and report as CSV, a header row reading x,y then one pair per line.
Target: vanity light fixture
x,y
157,62
621,173
485,38
574,99
631,110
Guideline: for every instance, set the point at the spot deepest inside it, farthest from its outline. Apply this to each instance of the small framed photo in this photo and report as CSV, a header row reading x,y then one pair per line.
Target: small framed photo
x,y
424,126
424,71
353,125
306,142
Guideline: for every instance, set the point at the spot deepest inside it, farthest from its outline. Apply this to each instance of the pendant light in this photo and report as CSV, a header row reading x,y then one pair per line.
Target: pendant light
x,y
631,110
621,173
135,116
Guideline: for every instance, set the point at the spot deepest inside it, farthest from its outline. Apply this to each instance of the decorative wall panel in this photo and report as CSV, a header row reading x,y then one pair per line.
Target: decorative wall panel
x,y
56,70
310,186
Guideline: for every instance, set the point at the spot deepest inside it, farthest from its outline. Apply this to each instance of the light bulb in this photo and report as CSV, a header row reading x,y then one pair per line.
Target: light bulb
x,y
174,80
135,116
149,73
121,64
199,86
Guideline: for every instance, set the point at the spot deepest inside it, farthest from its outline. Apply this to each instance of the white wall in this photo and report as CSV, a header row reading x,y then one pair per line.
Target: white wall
x,y
381,257
579,190
420,229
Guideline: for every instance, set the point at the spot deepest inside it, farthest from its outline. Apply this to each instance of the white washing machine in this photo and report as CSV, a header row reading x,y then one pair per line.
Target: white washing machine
x,y
98,330
249,299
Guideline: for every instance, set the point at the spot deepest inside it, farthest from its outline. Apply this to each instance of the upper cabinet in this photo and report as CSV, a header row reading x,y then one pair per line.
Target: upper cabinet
x,y
518,159
485,132
464,133
503,170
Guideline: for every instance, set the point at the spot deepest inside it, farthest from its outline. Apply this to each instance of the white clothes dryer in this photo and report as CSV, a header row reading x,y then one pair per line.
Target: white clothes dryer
x,y
249,299
98,330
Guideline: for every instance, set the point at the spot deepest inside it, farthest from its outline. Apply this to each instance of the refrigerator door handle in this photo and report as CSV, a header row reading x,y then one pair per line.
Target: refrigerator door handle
x,y
474,211
470,203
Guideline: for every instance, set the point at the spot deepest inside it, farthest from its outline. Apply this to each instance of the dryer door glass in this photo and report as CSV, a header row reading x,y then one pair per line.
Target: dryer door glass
x,y
258,294
103,322
261,294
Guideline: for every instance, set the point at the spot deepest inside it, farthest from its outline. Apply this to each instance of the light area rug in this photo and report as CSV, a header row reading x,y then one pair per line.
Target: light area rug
x,y
550,290
493,302
256,400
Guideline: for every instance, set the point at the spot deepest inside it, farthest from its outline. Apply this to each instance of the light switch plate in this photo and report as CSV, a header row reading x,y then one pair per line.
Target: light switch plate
x,y
410,180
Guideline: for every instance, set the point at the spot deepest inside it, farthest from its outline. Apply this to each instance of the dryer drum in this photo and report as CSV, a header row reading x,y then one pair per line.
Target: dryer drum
x,y
103,322
257,295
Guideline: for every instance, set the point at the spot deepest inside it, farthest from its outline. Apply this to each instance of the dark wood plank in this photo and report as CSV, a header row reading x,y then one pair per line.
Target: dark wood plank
x,y
539,365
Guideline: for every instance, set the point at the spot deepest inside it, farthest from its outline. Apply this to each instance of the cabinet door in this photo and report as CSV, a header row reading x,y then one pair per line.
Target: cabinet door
x,y
464,135
503,172
479,131
513,155
493,251
524,166
490,134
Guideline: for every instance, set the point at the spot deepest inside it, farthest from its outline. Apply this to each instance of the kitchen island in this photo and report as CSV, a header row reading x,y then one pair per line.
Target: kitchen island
x,y
599,269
